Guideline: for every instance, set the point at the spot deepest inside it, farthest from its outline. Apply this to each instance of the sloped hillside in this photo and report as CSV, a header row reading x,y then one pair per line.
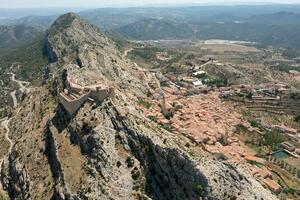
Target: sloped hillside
x,y
18,34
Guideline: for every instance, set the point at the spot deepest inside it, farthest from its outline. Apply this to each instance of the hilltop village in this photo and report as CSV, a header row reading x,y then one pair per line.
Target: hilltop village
x,y
213,114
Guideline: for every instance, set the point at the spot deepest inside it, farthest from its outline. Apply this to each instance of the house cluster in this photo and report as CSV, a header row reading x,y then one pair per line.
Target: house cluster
x,y
255,92
292,134
75,95
291,149
264,176
196,78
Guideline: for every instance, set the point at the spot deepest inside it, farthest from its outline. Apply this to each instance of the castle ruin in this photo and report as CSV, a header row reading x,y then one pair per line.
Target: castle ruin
x,y
74,95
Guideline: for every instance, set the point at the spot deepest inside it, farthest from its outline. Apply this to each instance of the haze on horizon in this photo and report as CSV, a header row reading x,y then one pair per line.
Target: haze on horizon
x,y
126,3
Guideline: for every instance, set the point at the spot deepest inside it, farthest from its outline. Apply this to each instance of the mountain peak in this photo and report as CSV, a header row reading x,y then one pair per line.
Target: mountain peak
x,y
64,22
69,33
66,18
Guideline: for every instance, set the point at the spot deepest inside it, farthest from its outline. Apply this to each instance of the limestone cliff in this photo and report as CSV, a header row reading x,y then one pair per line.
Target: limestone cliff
x,y
106,150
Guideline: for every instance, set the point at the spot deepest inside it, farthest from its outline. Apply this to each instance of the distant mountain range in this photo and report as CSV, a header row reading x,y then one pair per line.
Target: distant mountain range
x,y
281,29
155,29
17,35
265,24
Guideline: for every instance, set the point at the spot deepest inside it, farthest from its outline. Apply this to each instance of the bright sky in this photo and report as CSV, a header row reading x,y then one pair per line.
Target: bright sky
x,y
105,3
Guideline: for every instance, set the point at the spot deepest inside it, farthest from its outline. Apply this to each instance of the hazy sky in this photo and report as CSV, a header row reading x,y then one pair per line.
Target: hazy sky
x,y
105,3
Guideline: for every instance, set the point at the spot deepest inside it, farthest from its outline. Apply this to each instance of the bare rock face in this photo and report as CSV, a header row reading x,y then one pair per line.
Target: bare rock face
x,y
106,150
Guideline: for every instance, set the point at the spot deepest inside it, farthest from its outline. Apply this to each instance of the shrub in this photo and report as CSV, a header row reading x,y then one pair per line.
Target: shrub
x,y
297,118
145,103
167,127
152,118
249,95
168,114
288,191
130,162
119,164
199,189
254,123
273,139
217,82
135,174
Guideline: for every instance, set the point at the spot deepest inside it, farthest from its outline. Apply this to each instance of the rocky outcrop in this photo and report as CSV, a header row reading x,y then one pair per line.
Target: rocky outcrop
x,y
61,191
16,180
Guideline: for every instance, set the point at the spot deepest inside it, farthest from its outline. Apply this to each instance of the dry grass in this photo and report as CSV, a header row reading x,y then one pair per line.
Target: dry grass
x,y
72,162
289,179
3,195
4,144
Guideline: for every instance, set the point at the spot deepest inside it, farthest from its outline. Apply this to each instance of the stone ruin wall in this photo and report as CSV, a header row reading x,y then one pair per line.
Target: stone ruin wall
x,y
101,94
73,105
98,95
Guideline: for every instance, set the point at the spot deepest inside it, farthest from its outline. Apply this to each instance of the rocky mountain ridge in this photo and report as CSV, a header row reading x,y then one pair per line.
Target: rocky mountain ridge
x,y
106,150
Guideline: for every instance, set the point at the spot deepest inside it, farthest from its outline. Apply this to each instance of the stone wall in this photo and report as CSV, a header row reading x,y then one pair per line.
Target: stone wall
x,y
72,105
101,94
98,95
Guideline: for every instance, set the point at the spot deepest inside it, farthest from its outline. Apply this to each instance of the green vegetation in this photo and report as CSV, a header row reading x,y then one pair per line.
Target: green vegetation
x,y
297,118
285,68
273,139
217,82
240,129
152,118
190,57
199,189
249,95
168,114
30,58
202,76
289,191
167,127
254,123
13,36
291,53
253,162
259,28
163,83
135,173
149,29
148,53
264,143
130,162
145,103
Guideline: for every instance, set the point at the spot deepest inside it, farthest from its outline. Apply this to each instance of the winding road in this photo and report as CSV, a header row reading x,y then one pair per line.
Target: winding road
x,y
22,85
4,122
126,52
